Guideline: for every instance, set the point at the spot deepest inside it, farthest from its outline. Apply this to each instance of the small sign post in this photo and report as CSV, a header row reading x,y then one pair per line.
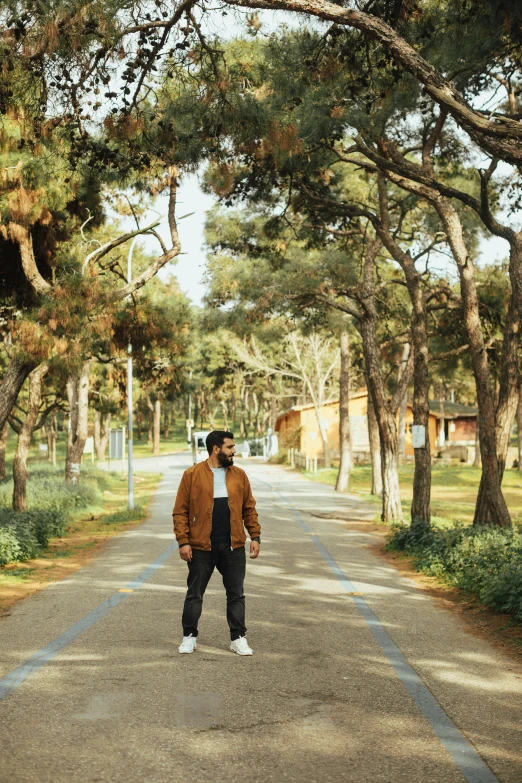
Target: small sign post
x,y
418,436
117,446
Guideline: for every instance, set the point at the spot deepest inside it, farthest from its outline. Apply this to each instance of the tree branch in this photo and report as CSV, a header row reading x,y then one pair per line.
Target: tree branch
x,y
98,254
500,137
160,262
20,235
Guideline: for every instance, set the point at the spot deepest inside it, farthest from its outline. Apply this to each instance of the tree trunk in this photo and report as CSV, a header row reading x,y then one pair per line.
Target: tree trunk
x,y
273,403
157,427
78,396
508,387
385,411
97,433
150,431
224,408
404,406
234,409
51,431
12,382
265,418
102,425
201,411
491,508
24,438
139,420
420,508
519,429
166,428
54,427
391,506
324,436
248,421
484,512
3,443
477,462
421,502
243,432
345,441
387,423
255,400
212,415
375,449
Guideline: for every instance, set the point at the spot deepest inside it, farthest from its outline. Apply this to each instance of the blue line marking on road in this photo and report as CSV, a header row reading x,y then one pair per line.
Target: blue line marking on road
x,y
470,763
14,679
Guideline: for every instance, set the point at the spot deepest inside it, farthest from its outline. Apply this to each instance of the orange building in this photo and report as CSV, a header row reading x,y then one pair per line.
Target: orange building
x,y
298,427
450,425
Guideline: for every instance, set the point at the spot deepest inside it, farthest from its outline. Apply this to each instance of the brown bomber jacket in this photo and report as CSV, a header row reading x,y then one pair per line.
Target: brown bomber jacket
x,y
195,500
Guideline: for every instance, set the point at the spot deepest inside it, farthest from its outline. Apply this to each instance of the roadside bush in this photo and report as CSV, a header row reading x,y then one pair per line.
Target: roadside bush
x,y
10,548
486,562
47,488
50,503
23,534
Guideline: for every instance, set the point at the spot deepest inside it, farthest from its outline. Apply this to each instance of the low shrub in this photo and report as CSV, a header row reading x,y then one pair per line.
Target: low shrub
x,y
24,533
10,548
50,501
46,488
486,562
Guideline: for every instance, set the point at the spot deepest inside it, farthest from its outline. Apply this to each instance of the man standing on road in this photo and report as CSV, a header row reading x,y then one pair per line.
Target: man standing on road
x,y
213,506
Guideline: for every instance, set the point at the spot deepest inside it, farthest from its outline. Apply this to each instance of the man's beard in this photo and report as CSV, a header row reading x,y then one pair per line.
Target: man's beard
x,y
224,461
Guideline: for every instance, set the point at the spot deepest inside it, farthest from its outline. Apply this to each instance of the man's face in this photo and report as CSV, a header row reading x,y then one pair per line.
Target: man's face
x,y
225,455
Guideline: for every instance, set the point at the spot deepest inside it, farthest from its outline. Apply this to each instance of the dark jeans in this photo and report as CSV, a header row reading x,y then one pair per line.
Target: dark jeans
x,y
231,564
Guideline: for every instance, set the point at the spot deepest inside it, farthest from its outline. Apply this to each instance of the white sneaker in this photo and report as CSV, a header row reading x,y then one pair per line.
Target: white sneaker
x,y
240,646
188,645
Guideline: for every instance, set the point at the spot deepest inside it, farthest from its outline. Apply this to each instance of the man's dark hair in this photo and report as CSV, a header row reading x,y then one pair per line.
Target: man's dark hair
x,y
217,438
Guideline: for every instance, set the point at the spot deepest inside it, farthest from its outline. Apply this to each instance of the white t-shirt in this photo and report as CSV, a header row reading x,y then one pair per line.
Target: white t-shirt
x,y
220,483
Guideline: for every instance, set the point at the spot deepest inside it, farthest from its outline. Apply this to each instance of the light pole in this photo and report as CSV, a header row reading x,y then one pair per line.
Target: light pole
x,y
130,476
189,418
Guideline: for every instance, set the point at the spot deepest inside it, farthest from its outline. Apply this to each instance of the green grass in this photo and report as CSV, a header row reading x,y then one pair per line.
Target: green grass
x,y
55,508
454,490
15,575
123,517
52,506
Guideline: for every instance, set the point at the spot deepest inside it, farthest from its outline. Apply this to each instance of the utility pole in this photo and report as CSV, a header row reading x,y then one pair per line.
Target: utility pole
x,y
130,475
189,417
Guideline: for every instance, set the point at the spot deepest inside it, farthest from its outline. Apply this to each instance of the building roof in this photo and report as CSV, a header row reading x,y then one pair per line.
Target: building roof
x,y
452,410
309,405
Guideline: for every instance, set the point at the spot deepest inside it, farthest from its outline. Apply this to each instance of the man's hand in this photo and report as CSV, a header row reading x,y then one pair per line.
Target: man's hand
x,y
254,549
185,552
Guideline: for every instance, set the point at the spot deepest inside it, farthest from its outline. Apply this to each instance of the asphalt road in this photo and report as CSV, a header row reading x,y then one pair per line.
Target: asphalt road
x,y
356,676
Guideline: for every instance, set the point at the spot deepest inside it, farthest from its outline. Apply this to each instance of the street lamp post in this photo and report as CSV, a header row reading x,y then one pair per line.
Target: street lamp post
x,y
130,476
189,417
